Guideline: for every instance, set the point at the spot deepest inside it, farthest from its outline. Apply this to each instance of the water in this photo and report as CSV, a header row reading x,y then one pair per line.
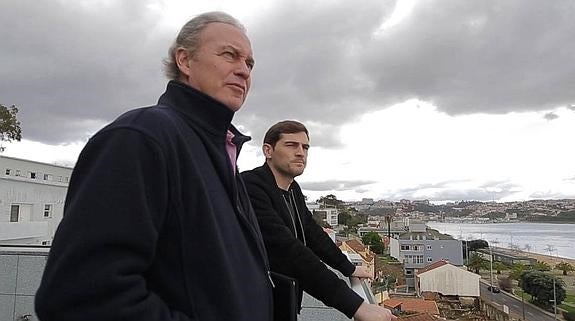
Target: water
x,y
542,238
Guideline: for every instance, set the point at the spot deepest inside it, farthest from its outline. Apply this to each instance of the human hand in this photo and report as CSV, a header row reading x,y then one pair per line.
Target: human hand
x,y
372,312
362,272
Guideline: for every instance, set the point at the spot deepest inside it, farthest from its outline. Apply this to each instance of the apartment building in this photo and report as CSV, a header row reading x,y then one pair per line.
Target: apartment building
x,y
419,249
328,215
32,198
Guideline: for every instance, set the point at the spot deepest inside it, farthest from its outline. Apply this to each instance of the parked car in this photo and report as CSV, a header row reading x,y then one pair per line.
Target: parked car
x,y
493,289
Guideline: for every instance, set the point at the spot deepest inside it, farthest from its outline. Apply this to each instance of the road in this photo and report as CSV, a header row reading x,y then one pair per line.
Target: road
x,y
515,305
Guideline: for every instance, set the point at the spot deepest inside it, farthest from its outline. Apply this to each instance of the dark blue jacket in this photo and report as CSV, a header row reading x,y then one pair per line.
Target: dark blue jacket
x,y
156,225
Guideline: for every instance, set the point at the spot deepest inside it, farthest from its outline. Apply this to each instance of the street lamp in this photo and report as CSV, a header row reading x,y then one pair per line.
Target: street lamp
x,y
554,301
523,303
491,267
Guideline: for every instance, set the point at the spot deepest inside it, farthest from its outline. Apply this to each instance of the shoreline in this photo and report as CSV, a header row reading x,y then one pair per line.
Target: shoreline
x,y
549,259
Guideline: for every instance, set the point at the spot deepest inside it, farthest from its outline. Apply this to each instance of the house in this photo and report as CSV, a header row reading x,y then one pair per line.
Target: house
x,y
359,254
419,249
447,279
411,305
32,198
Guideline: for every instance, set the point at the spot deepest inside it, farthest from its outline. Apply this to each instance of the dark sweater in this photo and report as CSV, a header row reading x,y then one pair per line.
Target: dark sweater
x,y
156,226
287,253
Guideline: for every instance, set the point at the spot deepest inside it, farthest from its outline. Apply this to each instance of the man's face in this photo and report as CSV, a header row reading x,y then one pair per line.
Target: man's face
x,y
221,66
289,156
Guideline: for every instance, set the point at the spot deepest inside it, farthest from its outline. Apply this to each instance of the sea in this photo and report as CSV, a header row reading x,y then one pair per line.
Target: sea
x,y
543,238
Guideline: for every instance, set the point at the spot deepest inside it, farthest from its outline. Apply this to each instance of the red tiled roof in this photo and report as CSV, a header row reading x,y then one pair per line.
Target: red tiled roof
x,y
391,303
360,249
418,305
356,245
419,317
432,266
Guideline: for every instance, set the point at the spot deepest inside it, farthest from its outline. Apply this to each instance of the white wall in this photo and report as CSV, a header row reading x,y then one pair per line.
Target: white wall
x,y
449,280
31,186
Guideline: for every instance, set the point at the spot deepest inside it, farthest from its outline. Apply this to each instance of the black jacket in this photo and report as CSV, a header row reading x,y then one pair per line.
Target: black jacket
x,y
288,255
156,226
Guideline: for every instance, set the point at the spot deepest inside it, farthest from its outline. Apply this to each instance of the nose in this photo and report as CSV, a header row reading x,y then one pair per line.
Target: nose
x,y
243,70
300,151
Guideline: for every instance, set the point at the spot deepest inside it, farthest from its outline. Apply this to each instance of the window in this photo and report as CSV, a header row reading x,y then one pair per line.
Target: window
x,y
429,247
405,247
32,175
7,171
47,210
14,213
47,177
429,259
18,172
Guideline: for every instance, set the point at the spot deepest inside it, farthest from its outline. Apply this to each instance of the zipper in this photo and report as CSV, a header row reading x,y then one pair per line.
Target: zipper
x,y
290,213
298,217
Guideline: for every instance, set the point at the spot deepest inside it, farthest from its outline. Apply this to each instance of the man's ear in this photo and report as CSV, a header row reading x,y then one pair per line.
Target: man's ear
x,y
267,149
182,58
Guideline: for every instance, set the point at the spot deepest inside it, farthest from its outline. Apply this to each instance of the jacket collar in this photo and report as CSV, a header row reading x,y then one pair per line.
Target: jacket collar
x,y
270,178
201,110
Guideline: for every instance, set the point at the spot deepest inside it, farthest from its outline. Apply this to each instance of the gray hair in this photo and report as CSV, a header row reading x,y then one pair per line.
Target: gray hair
x,y
189,38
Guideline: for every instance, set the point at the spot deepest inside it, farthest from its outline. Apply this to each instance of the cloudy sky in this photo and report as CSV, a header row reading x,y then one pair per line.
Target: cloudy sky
x,y
443,100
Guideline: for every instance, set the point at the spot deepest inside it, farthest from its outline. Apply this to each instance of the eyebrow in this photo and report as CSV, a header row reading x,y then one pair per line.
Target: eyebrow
x,y
237,51
296,142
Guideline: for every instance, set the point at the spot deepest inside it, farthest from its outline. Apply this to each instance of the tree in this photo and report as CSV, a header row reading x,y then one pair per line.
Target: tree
x,y
343,217
516,271
476,263
9,125
540,286
541,266
506,284
374,241
499,266
475,245
565,267
330,201
569,315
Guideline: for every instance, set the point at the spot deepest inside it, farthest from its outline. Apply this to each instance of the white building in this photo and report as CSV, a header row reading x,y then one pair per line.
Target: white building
x,y
329,215
32,198
442,277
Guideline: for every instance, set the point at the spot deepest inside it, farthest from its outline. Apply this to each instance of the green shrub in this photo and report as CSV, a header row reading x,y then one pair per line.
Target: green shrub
x,y
569,316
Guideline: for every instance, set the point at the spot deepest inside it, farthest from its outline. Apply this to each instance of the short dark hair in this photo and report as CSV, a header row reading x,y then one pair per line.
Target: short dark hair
x,y
273,135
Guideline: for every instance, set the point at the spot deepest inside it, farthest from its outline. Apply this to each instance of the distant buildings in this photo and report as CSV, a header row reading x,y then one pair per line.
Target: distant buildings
x,y
32,198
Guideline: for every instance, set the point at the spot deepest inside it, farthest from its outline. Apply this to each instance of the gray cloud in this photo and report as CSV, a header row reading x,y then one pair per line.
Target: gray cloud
x,y
550,195
333,185
550,116
452,194
71,67
445,191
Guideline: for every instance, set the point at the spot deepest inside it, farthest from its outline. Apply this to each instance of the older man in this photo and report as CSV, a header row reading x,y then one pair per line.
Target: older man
x,y
297,246
156,224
